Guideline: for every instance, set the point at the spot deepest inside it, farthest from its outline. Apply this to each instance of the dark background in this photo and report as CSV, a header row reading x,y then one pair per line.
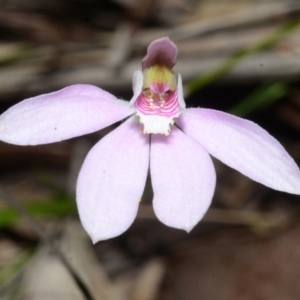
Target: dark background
x,y
237,56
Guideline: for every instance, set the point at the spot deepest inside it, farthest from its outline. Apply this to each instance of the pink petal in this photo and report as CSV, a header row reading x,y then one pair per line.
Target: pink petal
x,y
112,180
244,146
70,112
183,179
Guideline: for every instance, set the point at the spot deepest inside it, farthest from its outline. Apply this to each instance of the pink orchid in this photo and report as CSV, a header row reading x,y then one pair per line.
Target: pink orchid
x,y
160,134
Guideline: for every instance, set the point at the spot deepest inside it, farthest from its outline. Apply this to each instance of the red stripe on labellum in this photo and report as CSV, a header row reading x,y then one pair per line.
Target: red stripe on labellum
x,y
161,105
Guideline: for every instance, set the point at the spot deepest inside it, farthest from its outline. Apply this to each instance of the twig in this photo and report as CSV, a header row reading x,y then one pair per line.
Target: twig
x,y
249,17
259,14
46,240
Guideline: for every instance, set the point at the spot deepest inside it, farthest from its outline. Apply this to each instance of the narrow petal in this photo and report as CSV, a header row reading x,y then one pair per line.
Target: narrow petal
x,y
112,180
180,92
183,179
70,112
137,85
244,146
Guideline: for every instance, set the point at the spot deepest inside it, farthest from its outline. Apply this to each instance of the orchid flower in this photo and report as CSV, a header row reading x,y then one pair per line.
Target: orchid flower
x,y
159,133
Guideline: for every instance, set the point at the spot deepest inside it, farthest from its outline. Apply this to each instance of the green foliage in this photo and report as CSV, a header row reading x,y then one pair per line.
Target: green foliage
x,y
56,207
262,97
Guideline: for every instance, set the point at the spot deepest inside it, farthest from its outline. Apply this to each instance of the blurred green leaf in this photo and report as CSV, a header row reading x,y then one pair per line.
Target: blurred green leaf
x,y
54,208
50,182
15,56
262,97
